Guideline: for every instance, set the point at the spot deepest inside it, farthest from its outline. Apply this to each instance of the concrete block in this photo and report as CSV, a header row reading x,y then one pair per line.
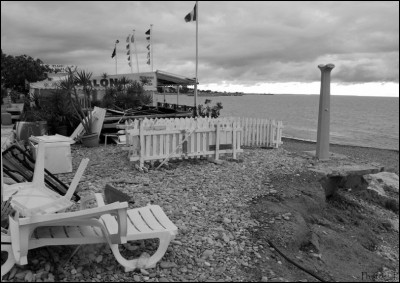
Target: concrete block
x,y
6,118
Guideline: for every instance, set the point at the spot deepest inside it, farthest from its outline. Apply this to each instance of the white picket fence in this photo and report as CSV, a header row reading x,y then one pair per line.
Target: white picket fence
x,y
260,132
161,139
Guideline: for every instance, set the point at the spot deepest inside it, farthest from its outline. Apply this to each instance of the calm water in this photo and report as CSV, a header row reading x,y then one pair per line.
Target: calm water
x,y
355,120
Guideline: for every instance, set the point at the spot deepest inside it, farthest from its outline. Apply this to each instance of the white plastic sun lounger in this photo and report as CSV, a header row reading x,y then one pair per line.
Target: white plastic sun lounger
x,y
113,224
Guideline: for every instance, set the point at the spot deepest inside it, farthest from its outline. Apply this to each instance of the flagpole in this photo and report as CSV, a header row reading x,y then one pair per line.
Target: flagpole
x,y
197,56
151,46
137,62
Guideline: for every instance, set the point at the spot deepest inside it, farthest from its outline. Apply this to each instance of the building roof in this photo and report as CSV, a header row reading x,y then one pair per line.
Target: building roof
x,y
168,79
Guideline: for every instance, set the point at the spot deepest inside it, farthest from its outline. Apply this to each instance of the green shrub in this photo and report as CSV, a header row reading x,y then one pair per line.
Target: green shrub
x,y
207,110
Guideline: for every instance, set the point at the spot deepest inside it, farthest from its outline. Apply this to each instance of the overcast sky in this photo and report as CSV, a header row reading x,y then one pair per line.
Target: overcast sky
x,y
268,47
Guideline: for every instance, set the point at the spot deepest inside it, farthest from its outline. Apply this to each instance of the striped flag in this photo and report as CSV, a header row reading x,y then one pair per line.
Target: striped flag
x,y
132,39
192,16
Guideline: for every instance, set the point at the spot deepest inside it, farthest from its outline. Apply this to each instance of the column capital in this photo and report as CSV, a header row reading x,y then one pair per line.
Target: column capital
x,y
327,67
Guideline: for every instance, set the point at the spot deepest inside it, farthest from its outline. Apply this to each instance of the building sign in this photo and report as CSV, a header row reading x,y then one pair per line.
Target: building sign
x,y
148,80
59,68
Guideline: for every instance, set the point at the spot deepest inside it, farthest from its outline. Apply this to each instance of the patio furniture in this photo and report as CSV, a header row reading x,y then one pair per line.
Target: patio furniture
x,y
34,197
111,223
20,166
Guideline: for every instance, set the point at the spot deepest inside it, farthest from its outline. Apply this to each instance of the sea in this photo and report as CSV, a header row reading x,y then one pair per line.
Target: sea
x,y
355,120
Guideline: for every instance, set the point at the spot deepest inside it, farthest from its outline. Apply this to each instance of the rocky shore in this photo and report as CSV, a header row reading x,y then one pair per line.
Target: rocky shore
x,y
227,215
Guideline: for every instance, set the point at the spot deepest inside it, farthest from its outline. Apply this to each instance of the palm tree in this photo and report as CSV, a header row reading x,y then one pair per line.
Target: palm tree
x,y
68,84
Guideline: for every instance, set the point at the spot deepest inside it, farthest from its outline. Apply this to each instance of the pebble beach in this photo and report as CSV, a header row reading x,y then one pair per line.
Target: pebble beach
x,y
208,202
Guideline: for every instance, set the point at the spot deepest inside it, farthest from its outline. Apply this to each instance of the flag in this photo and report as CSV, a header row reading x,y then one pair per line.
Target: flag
x,y
148,32
192,16
129,63
114,52
129,52
127,39
127,47
148,37
129,58
132,39
148,47
148,62
148,55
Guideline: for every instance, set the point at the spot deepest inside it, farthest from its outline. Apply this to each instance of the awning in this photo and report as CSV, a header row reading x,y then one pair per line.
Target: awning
x,y
168,79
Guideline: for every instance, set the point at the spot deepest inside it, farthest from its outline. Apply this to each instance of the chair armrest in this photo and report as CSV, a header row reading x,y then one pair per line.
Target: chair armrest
x,y
48,219
96,196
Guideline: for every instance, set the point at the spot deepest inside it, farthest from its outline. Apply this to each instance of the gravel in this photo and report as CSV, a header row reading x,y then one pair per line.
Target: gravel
x,y
206,201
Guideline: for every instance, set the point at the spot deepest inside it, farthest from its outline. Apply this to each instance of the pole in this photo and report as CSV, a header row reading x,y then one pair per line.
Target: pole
x,y
322,151
197,56
137,62
151,46
177,97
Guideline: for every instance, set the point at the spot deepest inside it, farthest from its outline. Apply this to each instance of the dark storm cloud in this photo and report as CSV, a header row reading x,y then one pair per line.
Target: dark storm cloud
x,y
239,42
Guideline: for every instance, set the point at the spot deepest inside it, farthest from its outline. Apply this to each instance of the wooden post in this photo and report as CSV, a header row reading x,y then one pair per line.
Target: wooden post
x,y
177,97
217,137
322,151
234,139
141,141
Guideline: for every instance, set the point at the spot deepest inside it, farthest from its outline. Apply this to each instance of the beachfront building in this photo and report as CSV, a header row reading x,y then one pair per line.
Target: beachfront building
x,y
151,82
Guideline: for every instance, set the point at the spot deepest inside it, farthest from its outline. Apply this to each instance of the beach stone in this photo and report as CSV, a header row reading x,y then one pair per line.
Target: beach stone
x,y
28,276
163,279
387,180
99,258
144,272
167,264
143,259
21,275
207,254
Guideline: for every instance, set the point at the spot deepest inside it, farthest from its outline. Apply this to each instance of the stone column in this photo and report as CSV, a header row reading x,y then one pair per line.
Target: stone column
x,y
322,151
